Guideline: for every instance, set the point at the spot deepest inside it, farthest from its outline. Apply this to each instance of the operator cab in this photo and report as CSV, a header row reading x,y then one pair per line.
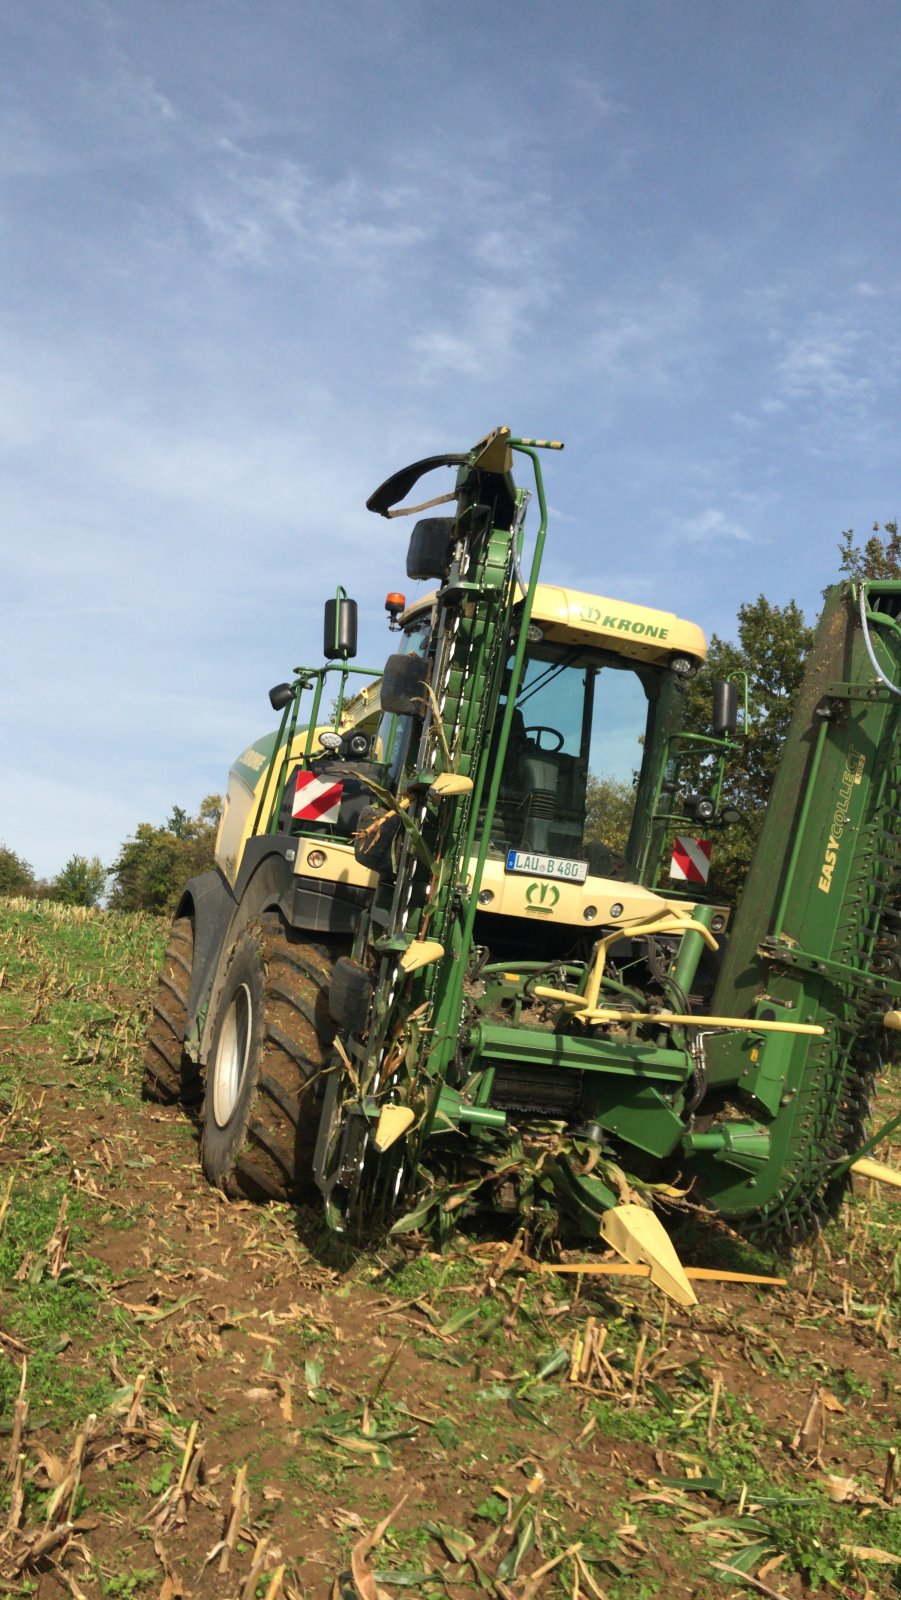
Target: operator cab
x,y
600,695
569,779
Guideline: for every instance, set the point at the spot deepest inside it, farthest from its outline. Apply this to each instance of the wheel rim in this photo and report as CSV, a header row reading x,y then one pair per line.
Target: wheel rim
x,y
231,1055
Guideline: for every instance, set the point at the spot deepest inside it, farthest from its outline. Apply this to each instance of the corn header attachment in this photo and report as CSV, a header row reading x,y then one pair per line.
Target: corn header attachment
x,y
815,938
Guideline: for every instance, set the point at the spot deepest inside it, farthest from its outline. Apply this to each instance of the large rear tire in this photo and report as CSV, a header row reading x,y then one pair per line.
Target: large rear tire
x,y
271,1038
170,1076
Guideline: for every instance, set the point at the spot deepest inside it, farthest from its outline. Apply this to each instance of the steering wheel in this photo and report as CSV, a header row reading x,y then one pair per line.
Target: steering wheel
x,y
535,733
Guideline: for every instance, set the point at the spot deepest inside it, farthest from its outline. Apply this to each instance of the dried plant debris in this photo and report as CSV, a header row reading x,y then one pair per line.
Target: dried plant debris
x,y
199,1398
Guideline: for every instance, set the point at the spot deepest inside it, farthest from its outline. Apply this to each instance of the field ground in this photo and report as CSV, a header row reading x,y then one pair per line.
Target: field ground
x,y
202,1398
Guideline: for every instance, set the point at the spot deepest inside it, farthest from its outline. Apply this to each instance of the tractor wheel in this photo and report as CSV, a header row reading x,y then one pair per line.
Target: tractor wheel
x,y
271,1037
170,1076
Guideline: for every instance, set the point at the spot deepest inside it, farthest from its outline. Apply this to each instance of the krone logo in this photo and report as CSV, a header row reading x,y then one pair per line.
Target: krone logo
x,y
542,896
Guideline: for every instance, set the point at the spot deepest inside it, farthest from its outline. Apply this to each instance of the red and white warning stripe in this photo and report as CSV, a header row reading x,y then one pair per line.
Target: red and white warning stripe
x,y
316,799
691,859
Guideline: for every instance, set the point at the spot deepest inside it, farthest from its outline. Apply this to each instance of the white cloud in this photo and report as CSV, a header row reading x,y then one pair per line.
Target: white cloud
x,y
713,524
493,323
258,210
827,359
128,97
646,338
592,93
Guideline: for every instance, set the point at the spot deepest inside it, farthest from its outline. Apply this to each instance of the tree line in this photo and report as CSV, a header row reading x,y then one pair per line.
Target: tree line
x,y
770,647
147,874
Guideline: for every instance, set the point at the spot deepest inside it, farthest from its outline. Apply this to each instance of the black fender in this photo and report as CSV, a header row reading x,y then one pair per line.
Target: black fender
x,y
317,905
265,882
219,914
210,904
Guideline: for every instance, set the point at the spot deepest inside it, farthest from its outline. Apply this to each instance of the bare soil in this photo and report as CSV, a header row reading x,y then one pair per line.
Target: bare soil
x,y
312,1392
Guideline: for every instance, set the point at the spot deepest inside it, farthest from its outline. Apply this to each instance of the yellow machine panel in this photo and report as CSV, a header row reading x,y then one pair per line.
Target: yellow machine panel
x,y
600,901
631,630
639,632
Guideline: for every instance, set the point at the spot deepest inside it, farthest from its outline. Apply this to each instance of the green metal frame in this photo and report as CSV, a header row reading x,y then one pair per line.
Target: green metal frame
x,y
280,760
783,1111
810,940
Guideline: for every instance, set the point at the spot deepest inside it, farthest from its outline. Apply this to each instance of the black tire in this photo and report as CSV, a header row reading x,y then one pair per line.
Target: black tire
x,y
170,1076
272,1036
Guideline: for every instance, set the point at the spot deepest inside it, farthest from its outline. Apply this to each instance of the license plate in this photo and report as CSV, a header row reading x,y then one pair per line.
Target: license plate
x,y
547,866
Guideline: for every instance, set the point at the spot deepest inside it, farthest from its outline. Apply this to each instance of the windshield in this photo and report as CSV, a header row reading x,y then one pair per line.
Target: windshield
x,y
568,782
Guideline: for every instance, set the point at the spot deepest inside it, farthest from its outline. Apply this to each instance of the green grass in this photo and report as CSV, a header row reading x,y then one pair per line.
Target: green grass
x,y
68,977
492,1361
48,1314
81,981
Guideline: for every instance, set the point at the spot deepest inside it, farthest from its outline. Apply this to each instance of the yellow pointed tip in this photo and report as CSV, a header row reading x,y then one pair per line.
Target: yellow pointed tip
x,y
638,1235
450,783
866,1168
392,1125
420,954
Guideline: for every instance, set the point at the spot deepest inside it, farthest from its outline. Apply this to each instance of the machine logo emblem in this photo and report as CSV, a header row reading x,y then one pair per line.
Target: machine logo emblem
x,y
542,896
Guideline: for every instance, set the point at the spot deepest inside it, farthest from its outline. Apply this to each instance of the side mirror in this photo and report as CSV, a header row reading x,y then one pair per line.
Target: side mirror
x,y
725,708
281,696
430,547
403,690
340,629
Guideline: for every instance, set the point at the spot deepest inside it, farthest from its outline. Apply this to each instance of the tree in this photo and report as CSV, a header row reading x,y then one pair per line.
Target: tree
x,y
771,647
16,876
152,867
81,882
772,644
609,803
880,557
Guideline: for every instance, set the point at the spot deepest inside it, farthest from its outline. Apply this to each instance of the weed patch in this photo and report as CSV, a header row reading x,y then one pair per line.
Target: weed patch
x,y
221,1399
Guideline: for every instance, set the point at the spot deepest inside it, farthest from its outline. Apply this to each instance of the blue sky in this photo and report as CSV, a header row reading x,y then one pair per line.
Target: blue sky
x,y
258,255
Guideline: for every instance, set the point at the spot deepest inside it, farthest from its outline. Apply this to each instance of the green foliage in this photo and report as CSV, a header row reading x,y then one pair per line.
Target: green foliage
x,y
771,647
880,557
16,876
161,1478
45,1312
81,882
124,1586
93,974
609,805
152,867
